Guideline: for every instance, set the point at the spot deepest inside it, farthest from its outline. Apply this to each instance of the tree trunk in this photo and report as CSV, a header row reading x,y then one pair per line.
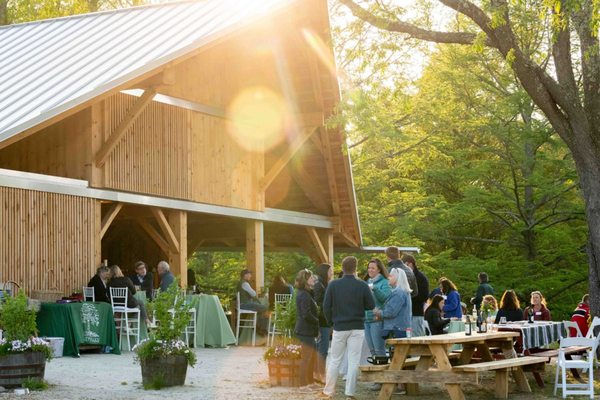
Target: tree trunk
x,y
3,9
587,162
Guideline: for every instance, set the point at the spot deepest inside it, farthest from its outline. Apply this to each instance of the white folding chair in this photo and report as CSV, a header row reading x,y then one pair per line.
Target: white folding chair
x,y
426,327
88,294
190,329
571,324
121,313
281,303
586,362
593,325
245,323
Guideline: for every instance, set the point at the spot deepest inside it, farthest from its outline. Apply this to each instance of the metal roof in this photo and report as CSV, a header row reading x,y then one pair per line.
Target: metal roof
x,y
50,66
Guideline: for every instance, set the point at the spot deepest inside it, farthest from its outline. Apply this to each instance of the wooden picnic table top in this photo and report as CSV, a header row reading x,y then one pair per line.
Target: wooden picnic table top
x,y
455,338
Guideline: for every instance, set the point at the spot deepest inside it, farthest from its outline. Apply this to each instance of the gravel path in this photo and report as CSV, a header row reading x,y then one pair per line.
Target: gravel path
x,y
221,374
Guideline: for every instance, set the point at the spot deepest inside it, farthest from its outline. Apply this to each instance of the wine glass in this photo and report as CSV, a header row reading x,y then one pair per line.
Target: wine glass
x,y
502,320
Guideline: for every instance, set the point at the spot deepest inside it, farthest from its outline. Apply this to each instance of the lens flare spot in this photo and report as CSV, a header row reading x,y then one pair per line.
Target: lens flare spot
x,y
257,118
322,51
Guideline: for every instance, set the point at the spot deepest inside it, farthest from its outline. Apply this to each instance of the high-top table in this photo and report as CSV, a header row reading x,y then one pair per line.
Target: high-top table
x,y
212,325
85,323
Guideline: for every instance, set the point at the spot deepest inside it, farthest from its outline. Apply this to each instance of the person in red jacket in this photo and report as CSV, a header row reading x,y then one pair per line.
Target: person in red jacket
x,y
581,316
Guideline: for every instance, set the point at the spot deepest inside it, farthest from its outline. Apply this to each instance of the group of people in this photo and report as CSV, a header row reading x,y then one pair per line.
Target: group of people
x,y
107,277
391,301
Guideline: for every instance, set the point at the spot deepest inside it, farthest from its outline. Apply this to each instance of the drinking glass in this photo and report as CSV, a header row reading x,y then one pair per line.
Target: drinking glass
x,y
502,320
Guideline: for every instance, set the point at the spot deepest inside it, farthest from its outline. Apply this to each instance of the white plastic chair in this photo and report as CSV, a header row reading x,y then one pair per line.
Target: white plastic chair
x,y
426,327
121,313
571,324
586,362
281,303
245,323
594,324
88,294
190,329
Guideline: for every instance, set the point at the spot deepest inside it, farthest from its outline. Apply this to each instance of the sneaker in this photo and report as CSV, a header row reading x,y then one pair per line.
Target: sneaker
x,y
375,387
306,389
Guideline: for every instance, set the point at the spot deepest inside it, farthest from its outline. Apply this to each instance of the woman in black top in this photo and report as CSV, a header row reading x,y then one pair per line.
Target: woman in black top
x,y
324,275
433,315
118,280
279,286
307,325
510,308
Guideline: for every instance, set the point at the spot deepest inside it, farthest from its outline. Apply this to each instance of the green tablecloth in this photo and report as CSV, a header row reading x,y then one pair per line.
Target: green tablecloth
x,y
80,324
212,326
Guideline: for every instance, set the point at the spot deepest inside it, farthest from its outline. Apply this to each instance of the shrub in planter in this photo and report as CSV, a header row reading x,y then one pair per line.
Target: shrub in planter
x,y
284,364
164,357
22,354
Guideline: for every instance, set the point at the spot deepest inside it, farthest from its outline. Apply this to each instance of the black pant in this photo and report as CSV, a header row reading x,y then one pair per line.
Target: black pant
x,y
309,350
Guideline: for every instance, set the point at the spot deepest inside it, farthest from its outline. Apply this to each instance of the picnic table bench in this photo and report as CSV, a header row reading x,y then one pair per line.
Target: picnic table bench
x,y
502,368
430,357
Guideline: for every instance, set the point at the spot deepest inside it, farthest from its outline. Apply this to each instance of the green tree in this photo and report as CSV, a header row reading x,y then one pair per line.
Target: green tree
x,y
562,78
468,169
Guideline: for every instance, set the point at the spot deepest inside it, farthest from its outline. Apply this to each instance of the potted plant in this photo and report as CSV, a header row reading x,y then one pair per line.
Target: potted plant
x,y
164,357
22,355
284,364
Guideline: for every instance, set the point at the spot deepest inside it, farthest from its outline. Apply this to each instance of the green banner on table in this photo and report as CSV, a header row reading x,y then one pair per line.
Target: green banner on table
x,y
79,324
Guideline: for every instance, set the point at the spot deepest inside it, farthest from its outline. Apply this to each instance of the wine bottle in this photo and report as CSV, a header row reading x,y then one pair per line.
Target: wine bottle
x,y
479,322
530,316
468,326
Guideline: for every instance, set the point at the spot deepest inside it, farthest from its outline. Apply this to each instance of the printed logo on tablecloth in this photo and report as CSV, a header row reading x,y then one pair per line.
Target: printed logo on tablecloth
x,y
91,321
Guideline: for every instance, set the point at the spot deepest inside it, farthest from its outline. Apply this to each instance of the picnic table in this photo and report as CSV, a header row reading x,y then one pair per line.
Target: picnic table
x,y
436,349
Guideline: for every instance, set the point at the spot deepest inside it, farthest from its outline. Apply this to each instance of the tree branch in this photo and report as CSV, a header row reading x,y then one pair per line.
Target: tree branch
x,y
407,28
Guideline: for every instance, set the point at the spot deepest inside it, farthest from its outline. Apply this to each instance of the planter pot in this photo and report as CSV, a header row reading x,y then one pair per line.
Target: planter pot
x,y
168,371
284,372
15,368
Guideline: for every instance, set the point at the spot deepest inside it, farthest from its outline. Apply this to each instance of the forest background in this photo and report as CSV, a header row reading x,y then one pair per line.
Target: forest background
x,y
449,154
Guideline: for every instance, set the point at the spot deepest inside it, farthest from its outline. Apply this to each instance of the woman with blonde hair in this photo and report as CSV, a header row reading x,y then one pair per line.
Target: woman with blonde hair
x,y
538,309
397,309
118,280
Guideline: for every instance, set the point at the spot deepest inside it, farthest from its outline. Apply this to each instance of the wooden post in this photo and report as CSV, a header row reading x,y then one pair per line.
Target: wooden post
x,y
178,257
329,247
97,234
255,253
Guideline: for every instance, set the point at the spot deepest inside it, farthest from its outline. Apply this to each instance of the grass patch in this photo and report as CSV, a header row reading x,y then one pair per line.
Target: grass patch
x,y
35,384
157,383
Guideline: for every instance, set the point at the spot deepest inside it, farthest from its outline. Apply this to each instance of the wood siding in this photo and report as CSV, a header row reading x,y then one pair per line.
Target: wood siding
x,y
59,150
48,240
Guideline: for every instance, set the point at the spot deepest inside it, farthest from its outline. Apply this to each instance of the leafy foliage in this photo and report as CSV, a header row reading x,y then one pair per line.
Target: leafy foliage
x,y
17,320
173,315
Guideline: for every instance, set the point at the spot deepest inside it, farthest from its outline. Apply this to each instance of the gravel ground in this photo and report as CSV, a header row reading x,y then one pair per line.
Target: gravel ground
x,y
221,374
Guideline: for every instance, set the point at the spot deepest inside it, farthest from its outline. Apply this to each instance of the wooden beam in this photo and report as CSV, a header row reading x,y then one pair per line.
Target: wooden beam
x,y
178,257
255,252
270,176
153,233
316,241
335,202
165,228
129,119
109,218
309,188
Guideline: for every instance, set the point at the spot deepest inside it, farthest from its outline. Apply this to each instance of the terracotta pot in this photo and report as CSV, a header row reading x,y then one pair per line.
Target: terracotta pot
x,y
15,368
284,372
169,370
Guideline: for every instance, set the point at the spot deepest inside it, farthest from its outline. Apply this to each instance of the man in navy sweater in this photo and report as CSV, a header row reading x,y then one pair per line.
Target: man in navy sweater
x,y
344,306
